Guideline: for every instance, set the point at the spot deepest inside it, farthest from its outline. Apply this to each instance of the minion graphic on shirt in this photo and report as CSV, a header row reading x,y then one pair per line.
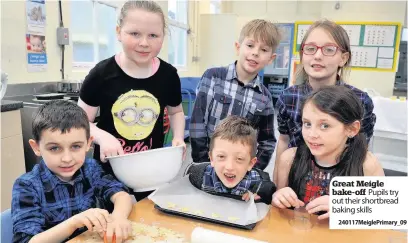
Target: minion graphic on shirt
x,y
135,113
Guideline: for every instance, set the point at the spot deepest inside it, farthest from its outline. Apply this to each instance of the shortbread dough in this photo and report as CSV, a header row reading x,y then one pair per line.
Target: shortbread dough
x,y
143,233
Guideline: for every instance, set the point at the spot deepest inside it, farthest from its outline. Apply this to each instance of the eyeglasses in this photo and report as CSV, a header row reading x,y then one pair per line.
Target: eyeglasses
x,y
131,116
327,50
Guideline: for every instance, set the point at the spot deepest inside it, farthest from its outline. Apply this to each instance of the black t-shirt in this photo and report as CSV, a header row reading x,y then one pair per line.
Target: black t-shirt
x,y
131,109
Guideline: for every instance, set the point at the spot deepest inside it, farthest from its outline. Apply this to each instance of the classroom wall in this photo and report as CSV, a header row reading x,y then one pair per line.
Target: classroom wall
x,y
14,55
13,47
13,29
290,11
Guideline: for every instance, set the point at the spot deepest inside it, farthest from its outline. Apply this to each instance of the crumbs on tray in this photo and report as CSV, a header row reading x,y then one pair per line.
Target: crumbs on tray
x,y
185,210
143,233
214,215
198,212
171,205
233,219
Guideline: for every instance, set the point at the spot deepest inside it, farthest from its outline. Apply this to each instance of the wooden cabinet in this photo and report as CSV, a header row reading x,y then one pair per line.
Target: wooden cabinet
x,y
12,154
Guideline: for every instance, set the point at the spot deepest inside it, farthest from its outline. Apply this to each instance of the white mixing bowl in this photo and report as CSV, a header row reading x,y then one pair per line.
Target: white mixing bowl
x,y
148,170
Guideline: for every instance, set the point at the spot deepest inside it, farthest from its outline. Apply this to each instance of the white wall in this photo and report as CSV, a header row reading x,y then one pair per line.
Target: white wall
x,y
209,49
13,45
14,55
291,11
13,28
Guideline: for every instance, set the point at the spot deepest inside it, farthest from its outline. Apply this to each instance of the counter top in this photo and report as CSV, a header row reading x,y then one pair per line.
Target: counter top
x,y
275,228
10,105
391,115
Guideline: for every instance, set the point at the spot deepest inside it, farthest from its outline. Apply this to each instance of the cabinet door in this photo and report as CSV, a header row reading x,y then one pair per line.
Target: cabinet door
x,y
10,123
12,166
12,154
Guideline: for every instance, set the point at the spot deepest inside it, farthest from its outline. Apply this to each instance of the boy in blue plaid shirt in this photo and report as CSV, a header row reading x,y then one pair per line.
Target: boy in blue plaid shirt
x,y
66,192
238,90
233,156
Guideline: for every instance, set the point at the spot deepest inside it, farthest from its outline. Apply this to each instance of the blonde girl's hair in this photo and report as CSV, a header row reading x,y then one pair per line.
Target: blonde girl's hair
x,y
149,6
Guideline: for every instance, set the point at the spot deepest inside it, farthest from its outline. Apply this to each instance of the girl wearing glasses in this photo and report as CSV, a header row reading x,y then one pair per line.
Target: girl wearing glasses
x,y
325,58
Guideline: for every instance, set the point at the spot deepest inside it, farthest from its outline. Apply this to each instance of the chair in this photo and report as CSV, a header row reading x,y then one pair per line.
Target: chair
x,y
6,227
188,91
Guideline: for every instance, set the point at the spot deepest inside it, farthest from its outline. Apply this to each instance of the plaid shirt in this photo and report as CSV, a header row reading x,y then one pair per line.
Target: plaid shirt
x,y
41,200
220,94
211,182
290,120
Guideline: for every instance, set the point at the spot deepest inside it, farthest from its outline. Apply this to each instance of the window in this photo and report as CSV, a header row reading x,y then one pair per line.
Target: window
x,y
215,6
404,36
178,27
93,26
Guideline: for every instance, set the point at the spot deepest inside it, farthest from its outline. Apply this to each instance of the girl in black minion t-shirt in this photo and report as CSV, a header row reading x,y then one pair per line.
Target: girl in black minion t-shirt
x,y
133,88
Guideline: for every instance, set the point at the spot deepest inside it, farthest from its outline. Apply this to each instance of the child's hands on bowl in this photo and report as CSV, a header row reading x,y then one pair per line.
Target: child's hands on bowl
x,y
109,146
180,142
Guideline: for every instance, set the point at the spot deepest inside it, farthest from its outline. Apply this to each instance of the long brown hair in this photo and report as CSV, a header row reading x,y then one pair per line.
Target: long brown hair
x,y
341,103
342,40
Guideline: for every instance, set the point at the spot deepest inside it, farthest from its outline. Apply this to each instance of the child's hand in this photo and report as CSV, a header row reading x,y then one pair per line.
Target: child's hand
x,y
247,196
286,198
118,230
319,204
179,142
109,146
94,219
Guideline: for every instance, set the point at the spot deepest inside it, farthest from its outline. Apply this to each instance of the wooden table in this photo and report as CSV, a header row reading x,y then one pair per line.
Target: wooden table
x,y
275,228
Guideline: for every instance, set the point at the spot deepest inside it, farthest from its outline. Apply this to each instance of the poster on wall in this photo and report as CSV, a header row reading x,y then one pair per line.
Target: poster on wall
x,y
35,13
35,36
36,53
